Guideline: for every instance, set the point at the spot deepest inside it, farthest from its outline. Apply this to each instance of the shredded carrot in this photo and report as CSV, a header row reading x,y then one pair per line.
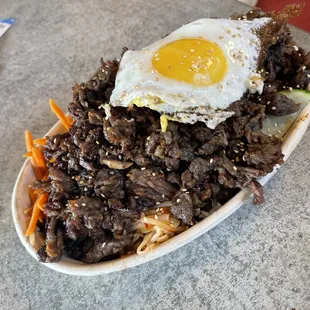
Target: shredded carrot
x,y
37,170
28,154
40,141
28,210
45,176
39,158
41,217
36,213
61,116
41,206
28,140
52,160
37,191
70,119
32,195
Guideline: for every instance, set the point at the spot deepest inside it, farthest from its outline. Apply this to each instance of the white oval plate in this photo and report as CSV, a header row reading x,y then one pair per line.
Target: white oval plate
x,y
21,201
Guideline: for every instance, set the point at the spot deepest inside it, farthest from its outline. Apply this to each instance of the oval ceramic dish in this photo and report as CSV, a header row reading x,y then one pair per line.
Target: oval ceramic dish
x,y
295,127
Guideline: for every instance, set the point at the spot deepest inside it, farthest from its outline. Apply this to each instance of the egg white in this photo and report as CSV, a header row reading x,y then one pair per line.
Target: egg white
x,y
138,83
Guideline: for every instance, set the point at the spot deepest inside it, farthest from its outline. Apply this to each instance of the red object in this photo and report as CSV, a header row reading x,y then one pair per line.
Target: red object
x,y
302,21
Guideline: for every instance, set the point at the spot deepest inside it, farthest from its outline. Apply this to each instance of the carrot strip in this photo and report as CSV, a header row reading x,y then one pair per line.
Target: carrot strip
x,y
41,218
37,191
28,140
42,199
45,176
41,207
39,158
32,195
52,160
70,119
37,170
40,141
28,154
62,117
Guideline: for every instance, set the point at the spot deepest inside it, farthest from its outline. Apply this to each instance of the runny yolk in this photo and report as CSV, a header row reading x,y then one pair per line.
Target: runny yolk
x,y
194,61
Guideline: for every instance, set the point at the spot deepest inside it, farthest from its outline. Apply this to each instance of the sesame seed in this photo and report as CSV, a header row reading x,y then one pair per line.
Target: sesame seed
x,y
157,59
290,89
297,86
269,85
157,203
211,160
303,68
279,131
76,205
178,200
183,189
295,48
83,204
102,195
268,129
97,142
153,174
163,195
156,217
112,172
273,108
235,168
198,42
143,168
275,124
308,76
136,197
120,157
72,178
85,189
268,102
103,244
106,153
299,54
171,225
192,50
236,151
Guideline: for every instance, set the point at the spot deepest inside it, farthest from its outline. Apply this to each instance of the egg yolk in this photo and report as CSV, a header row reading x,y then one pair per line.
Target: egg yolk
x,y
194,61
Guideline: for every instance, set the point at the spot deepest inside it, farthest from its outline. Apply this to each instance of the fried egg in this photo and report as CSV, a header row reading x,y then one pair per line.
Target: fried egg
x,y
194,73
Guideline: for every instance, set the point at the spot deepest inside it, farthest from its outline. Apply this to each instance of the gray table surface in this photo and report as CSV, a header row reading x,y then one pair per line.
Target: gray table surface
x,y
259,258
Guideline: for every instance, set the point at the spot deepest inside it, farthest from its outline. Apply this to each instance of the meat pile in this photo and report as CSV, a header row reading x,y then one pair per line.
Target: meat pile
x,y
115,163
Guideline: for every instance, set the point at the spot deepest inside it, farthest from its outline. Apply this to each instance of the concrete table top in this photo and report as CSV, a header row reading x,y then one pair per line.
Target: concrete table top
x,y
259,258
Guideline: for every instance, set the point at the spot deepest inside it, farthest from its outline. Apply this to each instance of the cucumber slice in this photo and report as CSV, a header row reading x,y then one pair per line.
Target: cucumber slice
x,y
279,125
